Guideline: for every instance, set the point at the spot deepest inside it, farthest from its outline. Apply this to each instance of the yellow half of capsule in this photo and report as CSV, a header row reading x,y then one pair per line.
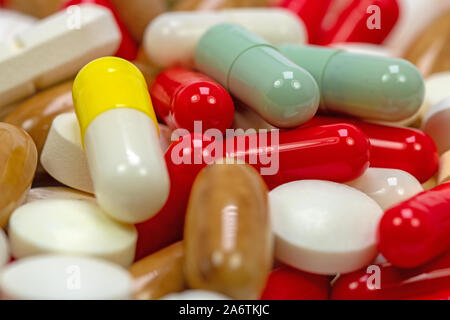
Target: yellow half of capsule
x,y
109,83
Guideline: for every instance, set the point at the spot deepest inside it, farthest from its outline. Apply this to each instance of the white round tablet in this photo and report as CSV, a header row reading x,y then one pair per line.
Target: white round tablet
x,y
388,187
4,248
324,227
436,123
61,277
195,295
71,227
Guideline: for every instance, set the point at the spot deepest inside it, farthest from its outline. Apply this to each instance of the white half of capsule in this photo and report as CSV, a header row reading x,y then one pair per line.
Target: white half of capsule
x,y
171,38
70,227
61,277
127,165
437,124
4,248
324,227
388,187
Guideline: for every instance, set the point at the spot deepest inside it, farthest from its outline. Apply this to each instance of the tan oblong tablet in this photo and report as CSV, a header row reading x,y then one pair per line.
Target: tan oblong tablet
x,y
444,168
4,248
70,227
63,156
57,193
227,237
159,274
64,277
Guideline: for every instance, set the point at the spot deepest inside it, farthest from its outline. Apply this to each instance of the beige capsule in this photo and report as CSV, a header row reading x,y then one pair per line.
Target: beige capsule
x,y
227,236
159,274
218,4
444,168
55,193
18,161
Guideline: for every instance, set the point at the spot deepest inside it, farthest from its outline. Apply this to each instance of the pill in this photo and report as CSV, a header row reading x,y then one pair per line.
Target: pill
x,y
375,88
127,48
63,156
4,249
323,227
57,193
436,90
180,5
137,14
429,51
286,283
54,277
18,161
284,94
35,115
12,23
172,37
159,274
120,134
436,123
418,229
196,295
405,149
388,187
383,282
148,69
363,48
181,97
37,8
245,119
70,227
226,220
444,168
58,50
430,183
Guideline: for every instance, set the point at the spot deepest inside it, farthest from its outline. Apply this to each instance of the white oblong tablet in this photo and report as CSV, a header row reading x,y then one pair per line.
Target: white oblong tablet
x,y
57,193
388,187
324,227
4,248
13,22
436,123
70,227
61,277
63,156
195,295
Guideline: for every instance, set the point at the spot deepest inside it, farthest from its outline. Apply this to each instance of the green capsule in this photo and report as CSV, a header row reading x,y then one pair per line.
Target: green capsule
x,y
281,92
363,86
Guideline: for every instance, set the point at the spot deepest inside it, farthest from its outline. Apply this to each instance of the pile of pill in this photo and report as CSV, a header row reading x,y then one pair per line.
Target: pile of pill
x,y
224,149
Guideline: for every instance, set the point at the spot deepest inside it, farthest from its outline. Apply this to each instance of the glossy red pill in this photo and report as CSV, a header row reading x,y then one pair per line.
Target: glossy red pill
x,y
430,282
417,230
286,283
405,149
128,48
181,96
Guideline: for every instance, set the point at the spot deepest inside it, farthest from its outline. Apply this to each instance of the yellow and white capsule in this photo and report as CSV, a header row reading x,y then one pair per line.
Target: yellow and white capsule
x,y
120,136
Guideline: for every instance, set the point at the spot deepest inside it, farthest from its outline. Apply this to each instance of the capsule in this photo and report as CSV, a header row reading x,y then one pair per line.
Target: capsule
x,y
181,97
159,274
429,282
121,141
214,5
12,23
228,240
18,161
286,283
436,90
196,295
55,193
417,230
444,168
363,86
172,37
436,124
37,8
284,94
405,149
4,249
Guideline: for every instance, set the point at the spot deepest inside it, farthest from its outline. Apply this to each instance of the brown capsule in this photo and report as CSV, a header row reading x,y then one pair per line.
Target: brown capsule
x,y
430,51
444,168
18,161
56,193
159,274
146,67
227,236
182,5
37,8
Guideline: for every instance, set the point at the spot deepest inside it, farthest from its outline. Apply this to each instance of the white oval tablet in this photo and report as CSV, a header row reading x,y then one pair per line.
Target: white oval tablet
x,y
436,123
60,277
195,295
324,227
57,193
388,187
71,227
4,248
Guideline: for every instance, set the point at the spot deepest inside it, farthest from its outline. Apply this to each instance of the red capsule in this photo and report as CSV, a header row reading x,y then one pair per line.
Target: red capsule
x,y
310,12
368,21
406,149
286,283
417,230
181,96
429,282
128,48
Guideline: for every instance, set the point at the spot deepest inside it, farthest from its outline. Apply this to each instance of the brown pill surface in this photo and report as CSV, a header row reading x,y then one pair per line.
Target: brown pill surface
x,y
57,193
159,274
227,236
444,168
217,4
137,14
37,8
430,51
18,161
148,70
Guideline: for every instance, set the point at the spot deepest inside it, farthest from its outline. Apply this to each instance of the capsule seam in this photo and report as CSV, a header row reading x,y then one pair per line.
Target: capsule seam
x,y
322,99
